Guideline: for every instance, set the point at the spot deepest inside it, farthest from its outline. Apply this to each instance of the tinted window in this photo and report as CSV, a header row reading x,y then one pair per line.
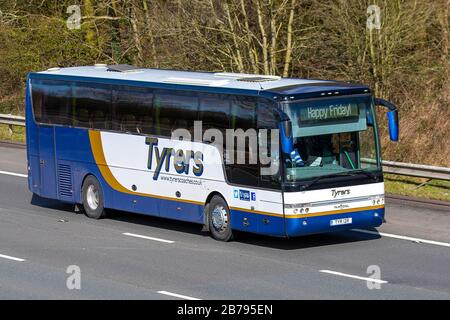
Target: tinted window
x,y
267,118
243,113
51,101
133,109
243,116
214,112
91,104
175,110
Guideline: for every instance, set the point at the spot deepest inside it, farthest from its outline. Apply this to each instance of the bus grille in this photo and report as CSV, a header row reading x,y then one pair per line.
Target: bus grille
x,y
65,180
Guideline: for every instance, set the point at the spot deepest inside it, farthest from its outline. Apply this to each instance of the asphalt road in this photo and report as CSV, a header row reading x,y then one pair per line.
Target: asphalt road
x,y
40,239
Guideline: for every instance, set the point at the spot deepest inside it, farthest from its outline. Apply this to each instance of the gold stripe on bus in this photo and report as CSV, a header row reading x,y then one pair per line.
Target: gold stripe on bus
x,y
327,213
298,216
257,212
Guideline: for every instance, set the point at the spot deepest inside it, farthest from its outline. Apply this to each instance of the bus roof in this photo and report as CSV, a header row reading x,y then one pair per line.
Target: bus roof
x,y
256,84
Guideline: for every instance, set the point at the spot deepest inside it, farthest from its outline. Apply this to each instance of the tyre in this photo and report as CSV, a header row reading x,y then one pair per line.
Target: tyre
x,y
219,219
92,197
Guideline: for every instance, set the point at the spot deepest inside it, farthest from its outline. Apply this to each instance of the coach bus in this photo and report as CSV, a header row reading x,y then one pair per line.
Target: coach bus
x,y
102,137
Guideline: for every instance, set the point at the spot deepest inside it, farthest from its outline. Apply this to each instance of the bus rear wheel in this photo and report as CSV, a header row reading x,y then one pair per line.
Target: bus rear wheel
x,y
219,219
93,198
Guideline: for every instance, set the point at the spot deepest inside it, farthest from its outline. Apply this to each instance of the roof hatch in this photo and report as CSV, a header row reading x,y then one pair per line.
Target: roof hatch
x,y
124,68
247,77
195,81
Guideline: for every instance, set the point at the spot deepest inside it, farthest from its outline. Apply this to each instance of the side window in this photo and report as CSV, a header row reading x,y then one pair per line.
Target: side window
x,y
37,95
51,101
214,113
175,110
243,116
91,103
268,152
133,109
243,113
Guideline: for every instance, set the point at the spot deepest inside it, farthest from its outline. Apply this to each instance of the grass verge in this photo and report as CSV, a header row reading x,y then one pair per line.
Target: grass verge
x,y
17,134
410,186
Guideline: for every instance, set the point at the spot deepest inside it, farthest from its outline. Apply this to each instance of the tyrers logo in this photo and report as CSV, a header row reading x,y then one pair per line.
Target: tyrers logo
x,y
181,159
335,193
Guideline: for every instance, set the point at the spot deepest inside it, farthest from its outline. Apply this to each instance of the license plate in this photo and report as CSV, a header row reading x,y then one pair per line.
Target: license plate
x,y
339,222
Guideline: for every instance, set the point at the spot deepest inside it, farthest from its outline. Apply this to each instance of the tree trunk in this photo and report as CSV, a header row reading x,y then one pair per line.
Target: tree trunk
x,y
136,35
149,27
89,11
264,37
288,56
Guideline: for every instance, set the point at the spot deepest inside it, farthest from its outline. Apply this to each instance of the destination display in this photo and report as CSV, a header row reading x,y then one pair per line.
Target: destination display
x,y
329,112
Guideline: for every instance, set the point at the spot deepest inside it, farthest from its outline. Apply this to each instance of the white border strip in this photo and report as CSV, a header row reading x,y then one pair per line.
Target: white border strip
x,y
176,295
11,258
147,238
353,277
418,240
14,174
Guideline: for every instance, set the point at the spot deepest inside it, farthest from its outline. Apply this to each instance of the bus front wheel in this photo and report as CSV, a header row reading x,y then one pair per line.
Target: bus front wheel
x,y
219,219
93,198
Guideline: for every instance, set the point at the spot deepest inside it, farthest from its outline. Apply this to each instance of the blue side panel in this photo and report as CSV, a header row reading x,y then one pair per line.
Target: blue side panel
x,y
34,175
181,210
132,203
257,223
73,144
321,224
158,207
47,161
244,221
73,149
274,226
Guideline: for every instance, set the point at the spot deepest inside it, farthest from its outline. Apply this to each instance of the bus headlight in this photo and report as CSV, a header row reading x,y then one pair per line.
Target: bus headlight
x,y
377,200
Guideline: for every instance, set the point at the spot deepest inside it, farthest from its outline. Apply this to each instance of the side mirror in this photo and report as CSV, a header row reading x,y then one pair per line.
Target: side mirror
x,y
392,116
287,142
393,124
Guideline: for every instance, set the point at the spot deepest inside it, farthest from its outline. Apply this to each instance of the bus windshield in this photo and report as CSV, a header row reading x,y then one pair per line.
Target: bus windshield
x,y
331,136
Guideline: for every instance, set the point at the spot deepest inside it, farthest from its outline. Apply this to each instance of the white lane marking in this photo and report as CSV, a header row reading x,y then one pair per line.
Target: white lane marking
x,y
353,276
11,258
148,238
14,174
167,293
437,243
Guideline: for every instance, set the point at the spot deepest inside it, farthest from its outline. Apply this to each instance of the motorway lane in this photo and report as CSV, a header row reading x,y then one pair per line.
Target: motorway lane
x,y
117,266
13,158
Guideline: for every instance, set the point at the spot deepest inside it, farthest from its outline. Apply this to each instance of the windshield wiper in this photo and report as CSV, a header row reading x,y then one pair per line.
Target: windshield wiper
x,y
366,173
315,180
341,174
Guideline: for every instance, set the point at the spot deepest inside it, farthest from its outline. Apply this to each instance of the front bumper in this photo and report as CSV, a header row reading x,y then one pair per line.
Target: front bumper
x,y
300,226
